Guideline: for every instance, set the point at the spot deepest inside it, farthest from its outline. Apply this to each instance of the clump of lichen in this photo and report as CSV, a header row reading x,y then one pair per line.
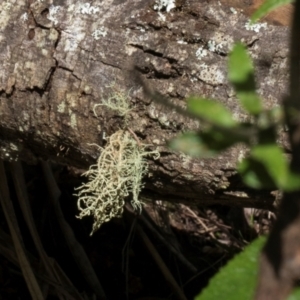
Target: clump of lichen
x,y
117,101
118,172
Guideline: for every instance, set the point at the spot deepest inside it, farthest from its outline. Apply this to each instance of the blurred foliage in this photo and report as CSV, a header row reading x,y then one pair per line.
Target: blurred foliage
x,y
264,166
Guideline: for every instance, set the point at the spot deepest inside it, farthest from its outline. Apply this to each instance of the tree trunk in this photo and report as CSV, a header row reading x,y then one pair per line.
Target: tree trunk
x,y
59,61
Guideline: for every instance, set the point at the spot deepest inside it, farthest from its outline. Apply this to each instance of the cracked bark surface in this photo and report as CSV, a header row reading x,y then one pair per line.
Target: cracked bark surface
x,y
60,58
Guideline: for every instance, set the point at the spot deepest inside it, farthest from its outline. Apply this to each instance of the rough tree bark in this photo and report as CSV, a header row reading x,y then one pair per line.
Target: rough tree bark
x,y
60,58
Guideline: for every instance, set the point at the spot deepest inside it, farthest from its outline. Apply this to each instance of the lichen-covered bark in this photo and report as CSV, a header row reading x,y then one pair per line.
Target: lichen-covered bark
x,y
61,58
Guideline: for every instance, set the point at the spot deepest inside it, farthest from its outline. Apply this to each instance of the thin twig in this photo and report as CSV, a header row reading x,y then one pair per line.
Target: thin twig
x,y
20,187
161,264
200,221
75,247
135,137
203,271
169,246
125,256
12,222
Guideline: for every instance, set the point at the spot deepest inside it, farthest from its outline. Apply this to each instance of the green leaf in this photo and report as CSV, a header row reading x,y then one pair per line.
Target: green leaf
x,y
241,75
271,117
267,135
240,273
272,157
295,294
268,6
240,64
250,101
191,144
267,167
292,183
217,140
209,142
211,111
255,175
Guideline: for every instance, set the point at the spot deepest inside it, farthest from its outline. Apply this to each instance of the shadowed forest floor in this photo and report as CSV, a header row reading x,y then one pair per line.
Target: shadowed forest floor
x,y
193,242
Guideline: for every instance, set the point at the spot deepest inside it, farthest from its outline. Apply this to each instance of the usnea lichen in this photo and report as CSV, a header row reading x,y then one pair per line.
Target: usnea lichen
x,y
118,173
118,101
98,33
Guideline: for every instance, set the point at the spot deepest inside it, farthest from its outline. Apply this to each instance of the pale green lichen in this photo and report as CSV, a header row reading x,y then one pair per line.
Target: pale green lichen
x,y
117,174
118,101
163,120
73,120
61,107
185,160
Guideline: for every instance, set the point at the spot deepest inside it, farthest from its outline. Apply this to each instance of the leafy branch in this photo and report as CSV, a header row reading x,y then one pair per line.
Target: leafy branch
x,y
265,167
